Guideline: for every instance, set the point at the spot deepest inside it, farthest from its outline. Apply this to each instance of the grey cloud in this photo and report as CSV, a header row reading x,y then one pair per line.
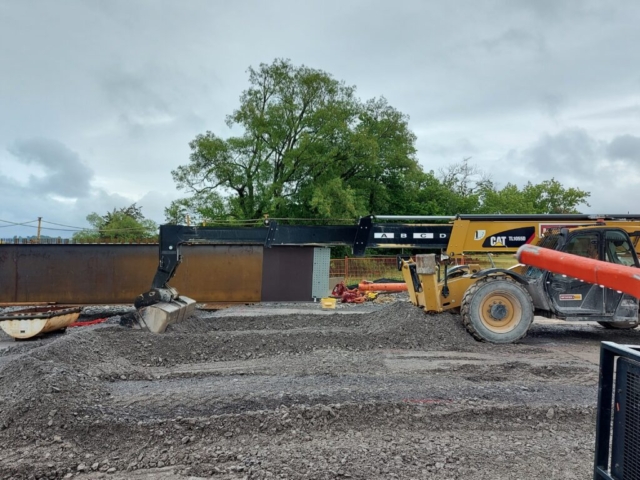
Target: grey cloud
x,y
620,113
577,159
66,174
131,83
153,204
132,92
453,151
571,151
625,147
552,103
150,95
71,213
558,11
515,38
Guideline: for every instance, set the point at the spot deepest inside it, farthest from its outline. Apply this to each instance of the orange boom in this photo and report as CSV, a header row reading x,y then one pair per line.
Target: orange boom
x,y
615,276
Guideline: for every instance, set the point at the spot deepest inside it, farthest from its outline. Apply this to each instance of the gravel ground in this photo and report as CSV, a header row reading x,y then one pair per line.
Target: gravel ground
x,y
386,393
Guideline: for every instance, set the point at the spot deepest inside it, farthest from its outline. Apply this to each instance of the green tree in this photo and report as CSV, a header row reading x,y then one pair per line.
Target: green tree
x,y
472,191
199,208
509,199
466,184
545,197
551,197
308,148
125,224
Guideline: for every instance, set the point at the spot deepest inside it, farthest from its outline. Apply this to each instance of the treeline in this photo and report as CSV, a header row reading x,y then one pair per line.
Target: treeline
x,y
306,147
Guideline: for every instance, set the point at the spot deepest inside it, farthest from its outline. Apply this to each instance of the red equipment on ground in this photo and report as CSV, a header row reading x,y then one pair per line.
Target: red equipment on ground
x,y
348,295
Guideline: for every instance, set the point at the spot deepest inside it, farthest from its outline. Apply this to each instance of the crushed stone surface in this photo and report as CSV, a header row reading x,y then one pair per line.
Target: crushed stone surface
x,y
388,393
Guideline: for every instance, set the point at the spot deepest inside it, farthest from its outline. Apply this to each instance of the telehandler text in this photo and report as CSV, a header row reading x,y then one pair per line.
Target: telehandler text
x,y
497,241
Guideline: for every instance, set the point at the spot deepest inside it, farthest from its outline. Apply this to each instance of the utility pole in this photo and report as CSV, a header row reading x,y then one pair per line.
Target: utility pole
x,y
39,226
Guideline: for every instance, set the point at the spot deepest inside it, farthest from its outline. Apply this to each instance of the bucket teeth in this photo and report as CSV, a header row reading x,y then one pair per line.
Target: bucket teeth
x,y
156,318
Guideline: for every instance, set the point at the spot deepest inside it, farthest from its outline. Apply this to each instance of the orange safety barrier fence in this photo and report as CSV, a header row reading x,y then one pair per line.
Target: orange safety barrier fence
x,y
354,270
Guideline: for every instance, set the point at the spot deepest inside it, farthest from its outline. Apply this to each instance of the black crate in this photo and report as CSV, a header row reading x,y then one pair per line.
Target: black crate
x,y
617,455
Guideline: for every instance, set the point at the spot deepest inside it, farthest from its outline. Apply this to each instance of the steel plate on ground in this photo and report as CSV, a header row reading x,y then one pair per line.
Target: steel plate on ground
x,y
27,323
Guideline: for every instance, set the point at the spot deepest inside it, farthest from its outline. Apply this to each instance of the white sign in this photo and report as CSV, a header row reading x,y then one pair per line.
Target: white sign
x,y
423,235
383,235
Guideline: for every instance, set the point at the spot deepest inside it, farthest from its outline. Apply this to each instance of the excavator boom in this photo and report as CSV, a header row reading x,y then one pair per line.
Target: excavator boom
x,y
162,304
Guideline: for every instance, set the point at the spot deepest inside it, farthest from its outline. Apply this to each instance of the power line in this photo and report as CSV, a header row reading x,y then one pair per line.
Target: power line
x,y
14,224
70,229
43,228
62,225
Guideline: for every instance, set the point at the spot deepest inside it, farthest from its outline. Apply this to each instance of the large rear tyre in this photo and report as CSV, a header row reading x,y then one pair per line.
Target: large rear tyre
x,y
619,325
496,309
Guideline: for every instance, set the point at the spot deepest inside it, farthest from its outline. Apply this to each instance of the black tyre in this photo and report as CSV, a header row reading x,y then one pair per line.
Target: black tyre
x,y
496,309
619,325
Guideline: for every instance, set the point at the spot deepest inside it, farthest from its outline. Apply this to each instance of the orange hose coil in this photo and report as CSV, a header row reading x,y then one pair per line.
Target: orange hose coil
x,y
382,287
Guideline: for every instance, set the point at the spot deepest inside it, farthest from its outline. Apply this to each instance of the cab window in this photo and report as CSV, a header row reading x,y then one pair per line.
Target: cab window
x,y
618,249
584,245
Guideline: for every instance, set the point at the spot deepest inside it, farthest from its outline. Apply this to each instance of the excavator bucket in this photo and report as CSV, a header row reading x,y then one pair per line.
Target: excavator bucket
x,y
27,323
159,308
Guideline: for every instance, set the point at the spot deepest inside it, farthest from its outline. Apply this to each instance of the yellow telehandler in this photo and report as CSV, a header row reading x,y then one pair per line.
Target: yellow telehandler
x,y
497,305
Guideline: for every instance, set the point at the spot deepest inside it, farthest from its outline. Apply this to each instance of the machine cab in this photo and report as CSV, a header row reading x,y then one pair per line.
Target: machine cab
x,y
571,297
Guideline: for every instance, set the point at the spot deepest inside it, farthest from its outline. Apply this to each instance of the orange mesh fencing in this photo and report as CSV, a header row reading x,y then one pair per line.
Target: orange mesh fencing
x,y
354,270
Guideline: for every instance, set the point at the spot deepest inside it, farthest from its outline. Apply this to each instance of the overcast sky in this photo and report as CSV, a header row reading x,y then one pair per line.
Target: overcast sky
x,y
99,99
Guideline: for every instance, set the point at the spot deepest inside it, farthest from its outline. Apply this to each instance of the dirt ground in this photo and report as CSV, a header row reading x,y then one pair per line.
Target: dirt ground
x,y
367,392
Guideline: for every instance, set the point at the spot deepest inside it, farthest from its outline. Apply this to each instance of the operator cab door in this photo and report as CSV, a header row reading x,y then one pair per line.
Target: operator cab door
x,y
573,297
617,249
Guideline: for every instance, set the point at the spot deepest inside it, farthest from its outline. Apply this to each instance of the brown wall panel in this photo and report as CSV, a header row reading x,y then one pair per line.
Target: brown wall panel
x,y
77,273
91,274
287,274
220,273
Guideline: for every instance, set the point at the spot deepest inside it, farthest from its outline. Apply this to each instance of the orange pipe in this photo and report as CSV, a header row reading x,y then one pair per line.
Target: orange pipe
x,y
382,287
611,275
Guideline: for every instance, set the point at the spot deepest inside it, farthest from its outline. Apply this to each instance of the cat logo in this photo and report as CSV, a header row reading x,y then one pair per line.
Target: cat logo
x,y
479,234
498,241
512,238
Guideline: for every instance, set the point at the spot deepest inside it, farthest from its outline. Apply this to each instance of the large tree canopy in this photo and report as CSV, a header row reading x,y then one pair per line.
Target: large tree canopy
x,y
306,147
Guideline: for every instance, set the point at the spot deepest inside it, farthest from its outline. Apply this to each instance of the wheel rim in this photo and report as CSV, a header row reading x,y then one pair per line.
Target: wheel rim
x,y
500,312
